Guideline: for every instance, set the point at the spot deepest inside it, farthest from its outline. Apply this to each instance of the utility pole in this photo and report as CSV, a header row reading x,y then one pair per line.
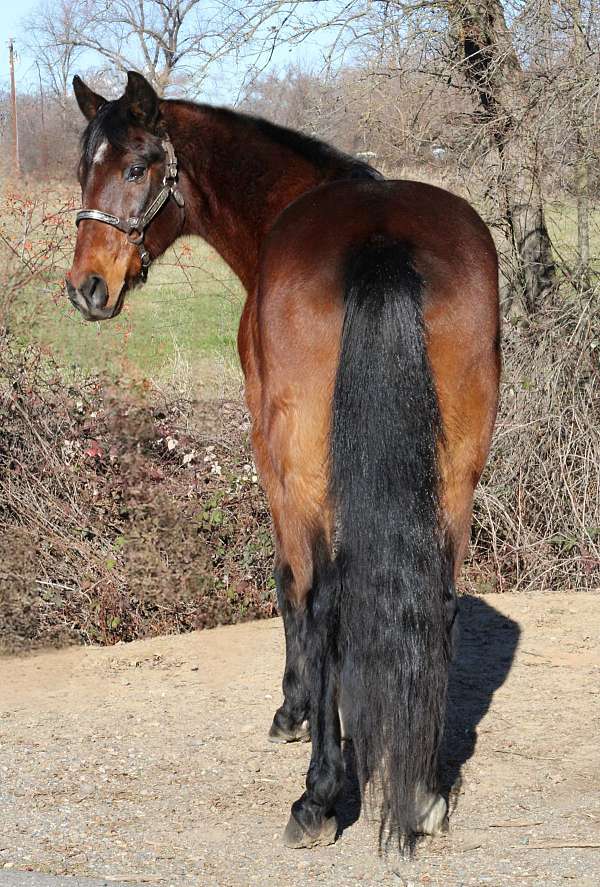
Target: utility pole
x,y
44,139
13,102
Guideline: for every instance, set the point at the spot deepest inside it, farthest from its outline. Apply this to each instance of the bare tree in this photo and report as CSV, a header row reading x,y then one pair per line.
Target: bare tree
x,y
50,34
581,56
508,110
474,48
166,40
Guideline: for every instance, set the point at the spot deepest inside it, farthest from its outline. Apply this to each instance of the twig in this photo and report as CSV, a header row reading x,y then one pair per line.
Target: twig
x,y
558,845
510,751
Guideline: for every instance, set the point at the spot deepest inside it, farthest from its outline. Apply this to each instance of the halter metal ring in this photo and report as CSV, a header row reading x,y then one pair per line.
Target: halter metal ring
x,y
136,240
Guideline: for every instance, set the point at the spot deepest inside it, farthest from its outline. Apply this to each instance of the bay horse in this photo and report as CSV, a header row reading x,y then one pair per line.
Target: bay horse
x,y
369,341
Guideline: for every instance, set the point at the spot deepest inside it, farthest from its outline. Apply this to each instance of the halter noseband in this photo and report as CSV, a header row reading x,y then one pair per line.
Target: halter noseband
x,y
135,226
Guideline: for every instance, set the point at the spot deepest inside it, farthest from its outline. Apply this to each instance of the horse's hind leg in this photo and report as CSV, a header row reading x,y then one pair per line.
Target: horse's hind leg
x,y
291,718
298,526
290,722
294,470
312,821
462,462
310,682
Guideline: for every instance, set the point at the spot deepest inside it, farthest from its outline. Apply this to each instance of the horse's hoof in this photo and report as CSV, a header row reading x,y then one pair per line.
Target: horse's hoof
x,y
301,733
296,838
433,817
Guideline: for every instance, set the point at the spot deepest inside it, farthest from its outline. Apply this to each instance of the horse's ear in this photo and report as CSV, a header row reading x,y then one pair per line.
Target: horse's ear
x,y
89,101
142,101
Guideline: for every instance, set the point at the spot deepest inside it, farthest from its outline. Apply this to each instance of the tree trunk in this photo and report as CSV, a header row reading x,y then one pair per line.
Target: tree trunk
x,y
581,159
492,68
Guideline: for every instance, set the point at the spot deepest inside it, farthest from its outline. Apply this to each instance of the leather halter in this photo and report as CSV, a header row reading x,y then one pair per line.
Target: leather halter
x,y
135,226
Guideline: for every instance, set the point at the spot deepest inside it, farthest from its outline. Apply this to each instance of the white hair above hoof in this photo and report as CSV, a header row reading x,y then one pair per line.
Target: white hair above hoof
x,y
432,813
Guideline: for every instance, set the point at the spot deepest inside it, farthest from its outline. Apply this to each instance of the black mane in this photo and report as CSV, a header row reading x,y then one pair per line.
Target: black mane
x,y
320,154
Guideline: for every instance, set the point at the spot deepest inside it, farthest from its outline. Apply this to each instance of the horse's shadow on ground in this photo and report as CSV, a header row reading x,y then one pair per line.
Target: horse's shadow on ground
x,y
483,657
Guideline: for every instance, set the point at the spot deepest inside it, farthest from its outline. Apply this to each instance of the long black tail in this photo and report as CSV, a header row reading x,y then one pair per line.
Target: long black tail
x,y
392,562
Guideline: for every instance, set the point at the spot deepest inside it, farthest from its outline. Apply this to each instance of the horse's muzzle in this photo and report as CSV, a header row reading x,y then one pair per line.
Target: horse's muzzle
x,y
91,297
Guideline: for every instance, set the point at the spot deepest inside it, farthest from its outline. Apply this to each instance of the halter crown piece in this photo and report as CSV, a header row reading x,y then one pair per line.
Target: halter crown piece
x,y
135,226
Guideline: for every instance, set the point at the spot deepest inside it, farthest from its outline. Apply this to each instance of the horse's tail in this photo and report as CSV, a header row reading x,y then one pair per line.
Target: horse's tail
x,y
392,562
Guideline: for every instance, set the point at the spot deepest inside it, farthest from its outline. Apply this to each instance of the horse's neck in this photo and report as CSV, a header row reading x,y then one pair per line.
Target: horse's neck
x,y
237,181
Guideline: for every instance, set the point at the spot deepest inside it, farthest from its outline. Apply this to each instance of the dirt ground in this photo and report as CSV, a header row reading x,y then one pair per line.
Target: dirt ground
x,y
149,762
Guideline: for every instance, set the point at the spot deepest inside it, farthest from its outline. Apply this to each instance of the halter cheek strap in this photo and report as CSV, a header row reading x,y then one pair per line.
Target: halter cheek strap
x,y
135,226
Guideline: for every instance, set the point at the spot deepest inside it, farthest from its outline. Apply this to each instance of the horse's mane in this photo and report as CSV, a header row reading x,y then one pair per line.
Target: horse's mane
x,y
112,124
318,153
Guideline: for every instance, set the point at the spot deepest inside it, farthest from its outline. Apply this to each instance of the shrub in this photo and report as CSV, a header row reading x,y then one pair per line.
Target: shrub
x,y
36,236
125,511
537,509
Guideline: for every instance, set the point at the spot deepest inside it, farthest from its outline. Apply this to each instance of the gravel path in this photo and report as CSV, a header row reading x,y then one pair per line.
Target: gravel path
x,y
147,763
34,879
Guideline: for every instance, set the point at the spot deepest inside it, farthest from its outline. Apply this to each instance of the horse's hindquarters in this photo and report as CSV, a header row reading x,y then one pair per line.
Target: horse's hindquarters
x,y
374,395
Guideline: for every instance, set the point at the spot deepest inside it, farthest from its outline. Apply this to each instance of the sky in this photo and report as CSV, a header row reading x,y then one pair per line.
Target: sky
x,y
12,13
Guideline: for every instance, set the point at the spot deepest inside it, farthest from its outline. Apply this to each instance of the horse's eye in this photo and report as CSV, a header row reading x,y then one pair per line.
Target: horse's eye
x,y
136,173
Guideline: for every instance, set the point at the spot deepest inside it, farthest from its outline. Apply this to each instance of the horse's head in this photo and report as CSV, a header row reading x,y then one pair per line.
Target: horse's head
x,y
127,173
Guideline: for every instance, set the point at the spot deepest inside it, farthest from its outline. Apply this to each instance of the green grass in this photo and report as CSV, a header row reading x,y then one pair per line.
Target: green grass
x,y
561,219
184,319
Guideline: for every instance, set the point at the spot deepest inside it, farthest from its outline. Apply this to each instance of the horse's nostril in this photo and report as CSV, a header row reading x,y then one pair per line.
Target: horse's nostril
x,y
94,291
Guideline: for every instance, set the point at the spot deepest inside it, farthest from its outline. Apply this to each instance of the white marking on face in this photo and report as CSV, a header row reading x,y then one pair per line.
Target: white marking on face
x,y
99,155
